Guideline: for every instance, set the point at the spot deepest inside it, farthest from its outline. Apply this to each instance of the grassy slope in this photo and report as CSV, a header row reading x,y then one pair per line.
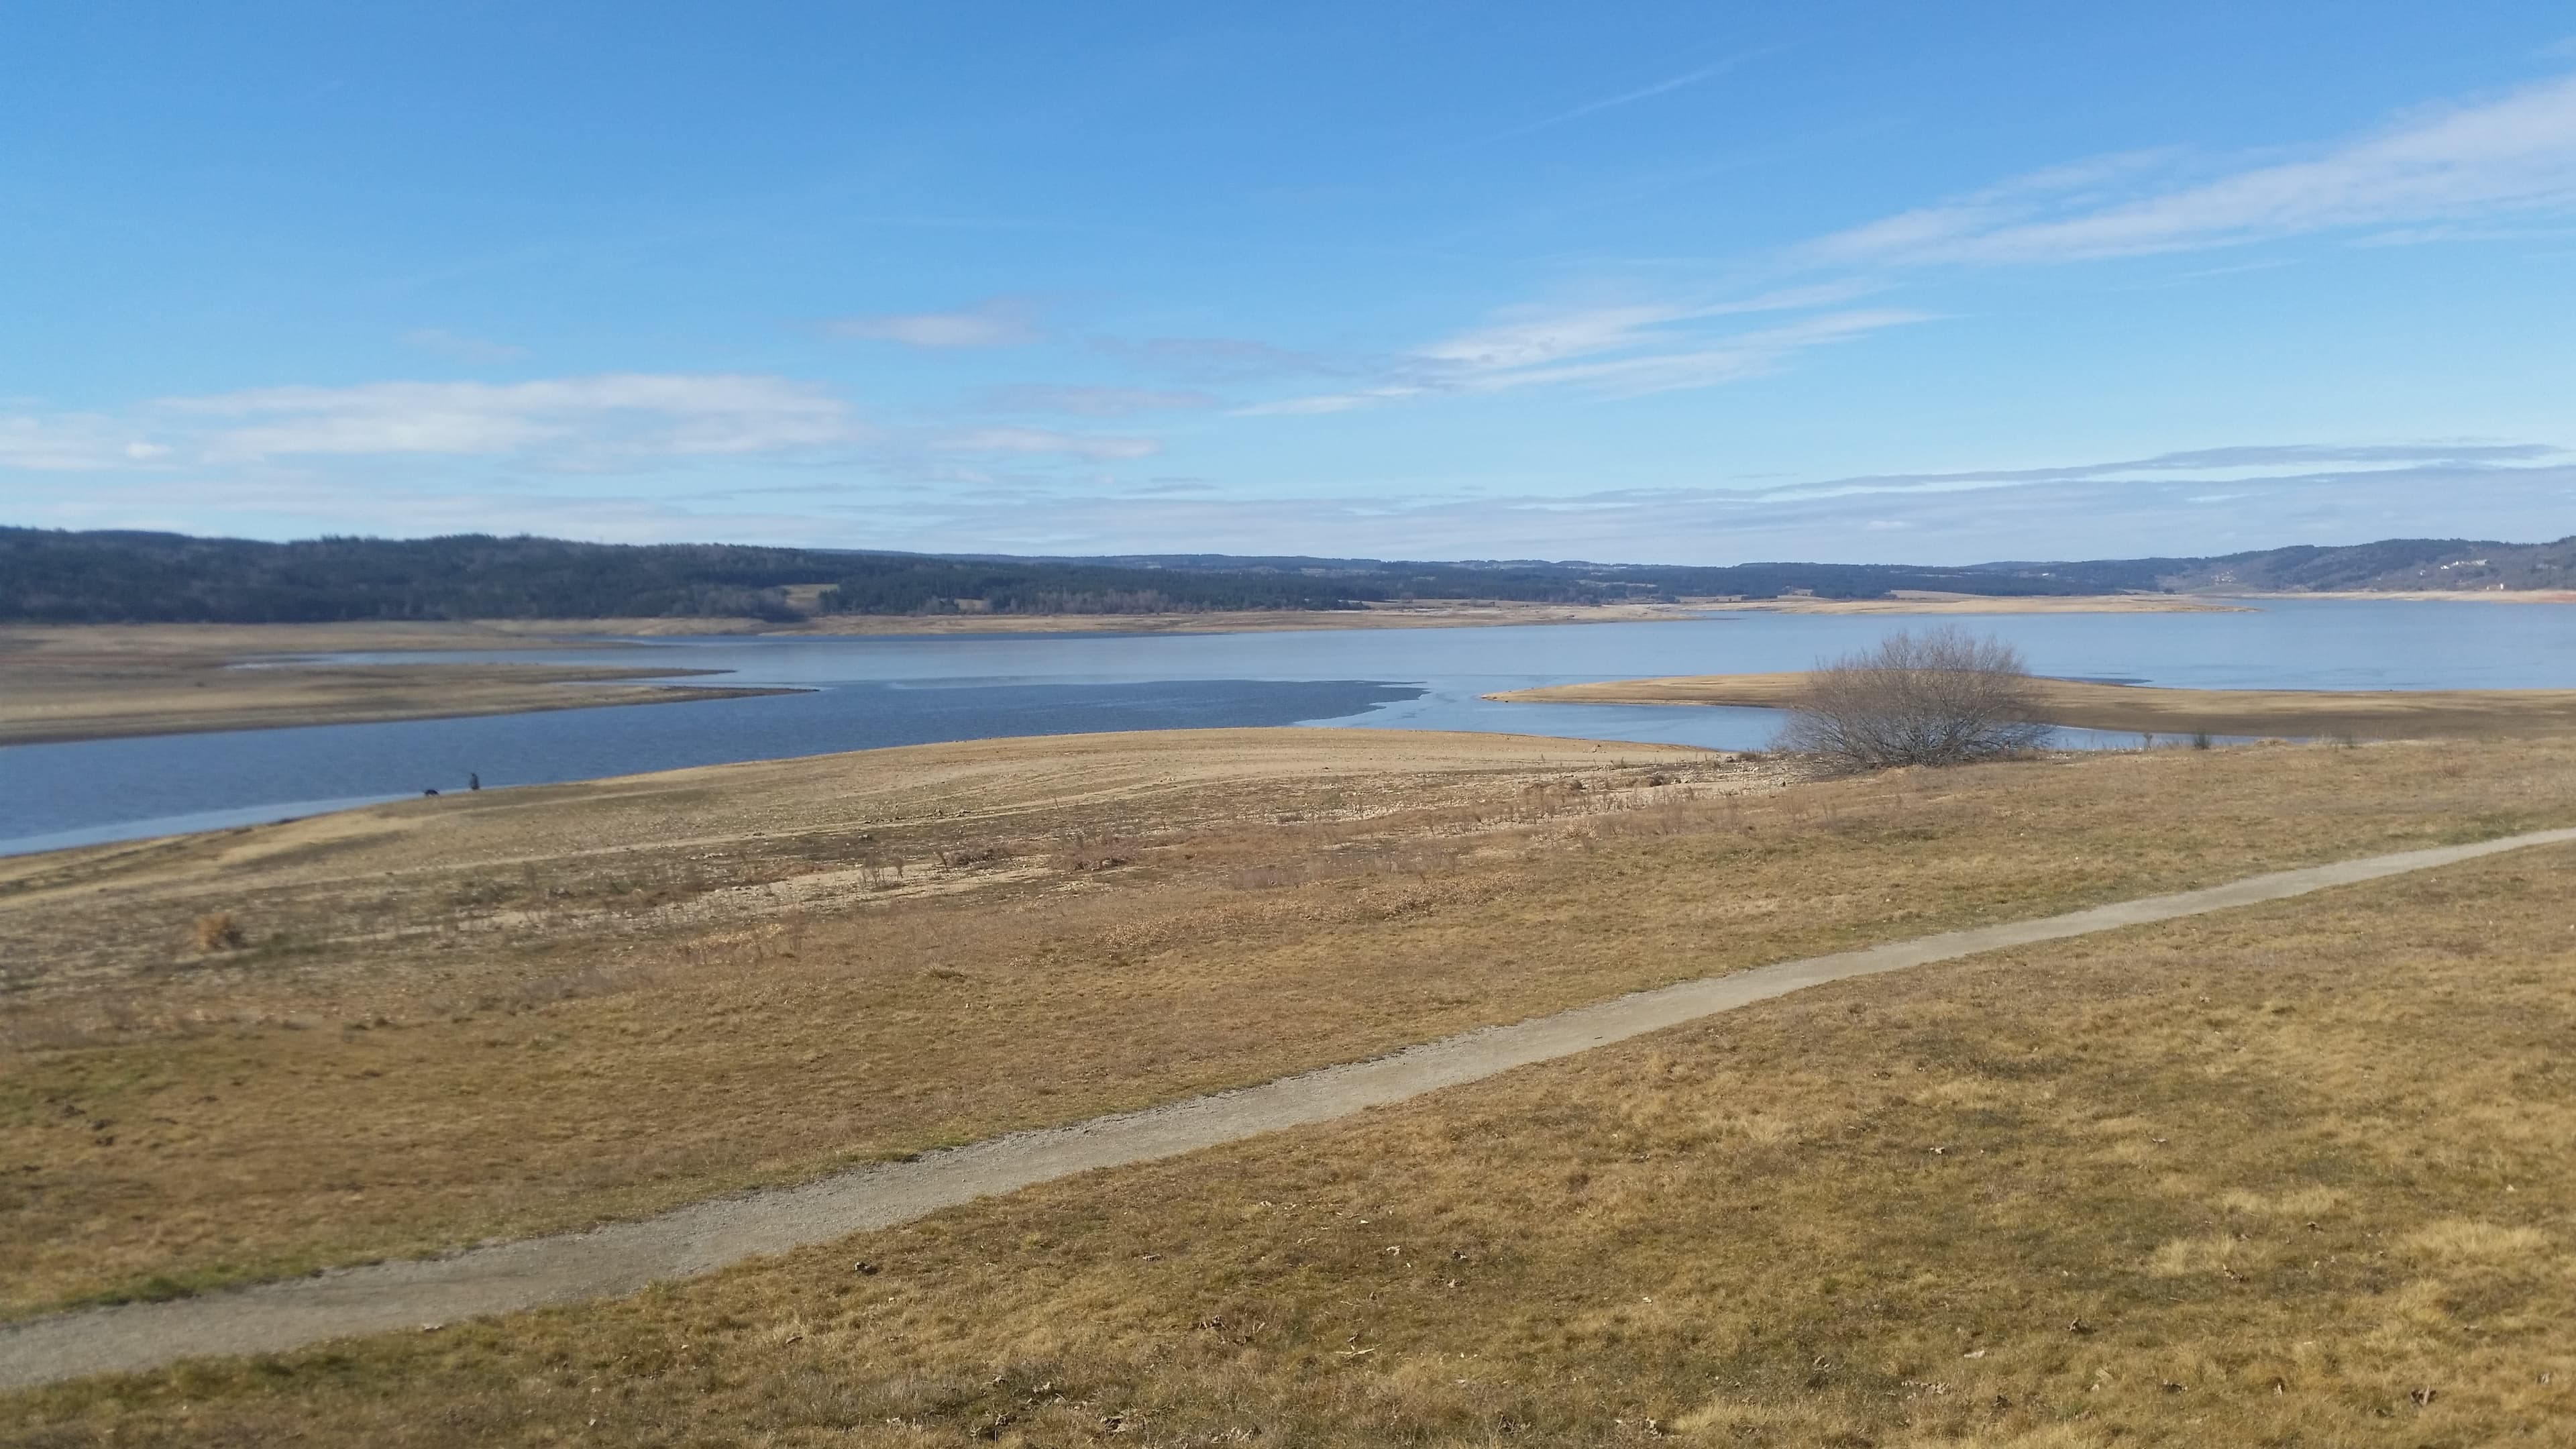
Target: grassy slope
x,y
537,1009
2291,1175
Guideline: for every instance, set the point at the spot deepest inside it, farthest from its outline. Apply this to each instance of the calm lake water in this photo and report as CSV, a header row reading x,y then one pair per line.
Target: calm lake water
x,y
891,691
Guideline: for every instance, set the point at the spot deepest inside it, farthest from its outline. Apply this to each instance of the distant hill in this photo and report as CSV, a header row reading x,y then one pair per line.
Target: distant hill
x,y
2390,565
50,576
2396,563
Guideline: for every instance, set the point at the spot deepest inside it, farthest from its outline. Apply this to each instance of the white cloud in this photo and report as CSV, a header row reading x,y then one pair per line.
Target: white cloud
x,y
1330,402
2433,174
457,347
2146,505
2512,156
1728,359
2302,493
1621,350
1530,336
2248,464
615,415
997,322
73,443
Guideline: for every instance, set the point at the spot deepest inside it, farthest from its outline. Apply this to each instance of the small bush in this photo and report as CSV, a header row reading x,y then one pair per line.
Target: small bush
x,y
219,932
1941,699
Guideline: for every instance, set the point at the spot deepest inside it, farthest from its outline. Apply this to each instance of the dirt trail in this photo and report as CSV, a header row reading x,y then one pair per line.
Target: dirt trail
x,y
711,1235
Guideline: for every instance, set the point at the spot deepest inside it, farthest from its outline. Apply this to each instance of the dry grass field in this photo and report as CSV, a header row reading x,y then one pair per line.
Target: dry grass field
x,y
2279,713
527,1010
2293,1175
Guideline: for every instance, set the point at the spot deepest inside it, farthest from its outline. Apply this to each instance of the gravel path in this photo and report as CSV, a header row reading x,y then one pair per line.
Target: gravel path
x,y
706,1236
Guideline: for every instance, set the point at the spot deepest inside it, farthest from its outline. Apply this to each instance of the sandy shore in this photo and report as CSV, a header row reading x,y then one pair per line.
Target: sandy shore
x,y
78,684
67,682
2299,713
1419,614
72,682
1909,601
2442,596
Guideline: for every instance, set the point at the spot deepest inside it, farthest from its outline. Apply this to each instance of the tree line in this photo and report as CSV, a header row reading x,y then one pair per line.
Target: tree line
x,y
54,576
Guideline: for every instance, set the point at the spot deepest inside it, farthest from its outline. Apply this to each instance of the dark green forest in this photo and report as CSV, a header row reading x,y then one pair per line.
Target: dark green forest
x,y
160,577
50,576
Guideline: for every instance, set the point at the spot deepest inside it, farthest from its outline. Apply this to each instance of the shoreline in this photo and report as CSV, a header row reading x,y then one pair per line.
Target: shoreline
x,y
1906,601
2392,714
67,682
80,699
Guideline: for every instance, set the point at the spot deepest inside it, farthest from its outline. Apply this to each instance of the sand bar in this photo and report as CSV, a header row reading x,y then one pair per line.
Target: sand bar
x,y
2296,713
99,682
95,681
1913,601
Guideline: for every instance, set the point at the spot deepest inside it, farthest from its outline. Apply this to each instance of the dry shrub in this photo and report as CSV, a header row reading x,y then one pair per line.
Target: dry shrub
x,y
1944,698
218,931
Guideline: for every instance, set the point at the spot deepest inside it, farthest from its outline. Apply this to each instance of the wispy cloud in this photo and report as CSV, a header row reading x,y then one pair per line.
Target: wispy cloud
x,y
1092,402
2234,464
458,347
995,322
2160,505
2433,174
1630,98
2208,501
573,419
1089,447
2511,156
1215,359
1616,350
74,443
631,423
1728,358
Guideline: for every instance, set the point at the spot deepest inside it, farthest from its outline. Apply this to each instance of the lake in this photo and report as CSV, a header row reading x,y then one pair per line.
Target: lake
x,y
872,692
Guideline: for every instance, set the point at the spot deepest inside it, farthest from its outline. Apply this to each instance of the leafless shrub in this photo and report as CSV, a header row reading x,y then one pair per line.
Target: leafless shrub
x,y
218,932
1943,698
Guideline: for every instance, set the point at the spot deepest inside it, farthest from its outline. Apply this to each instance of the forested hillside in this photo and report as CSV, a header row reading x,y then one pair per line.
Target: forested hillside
x,y
57,577
161,577
49,576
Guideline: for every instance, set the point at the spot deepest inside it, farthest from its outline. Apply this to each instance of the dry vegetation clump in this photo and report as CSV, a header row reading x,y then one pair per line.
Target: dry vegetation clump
x,y
217,931
536,1010
1945,698
2292,1175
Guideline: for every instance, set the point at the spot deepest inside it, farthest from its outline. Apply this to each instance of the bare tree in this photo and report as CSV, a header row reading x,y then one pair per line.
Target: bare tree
x,y
1944,698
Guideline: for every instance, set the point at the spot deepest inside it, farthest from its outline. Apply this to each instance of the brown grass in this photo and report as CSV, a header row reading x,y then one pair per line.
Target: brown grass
x,y
530,1010
2294,1175
217,931
2255,713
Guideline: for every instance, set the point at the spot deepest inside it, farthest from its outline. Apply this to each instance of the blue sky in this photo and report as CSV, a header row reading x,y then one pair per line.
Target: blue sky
x,y
1688,283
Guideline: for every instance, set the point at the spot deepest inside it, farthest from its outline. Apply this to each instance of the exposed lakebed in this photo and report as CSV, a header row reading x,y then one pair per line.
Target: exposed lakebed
x,y
870,692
